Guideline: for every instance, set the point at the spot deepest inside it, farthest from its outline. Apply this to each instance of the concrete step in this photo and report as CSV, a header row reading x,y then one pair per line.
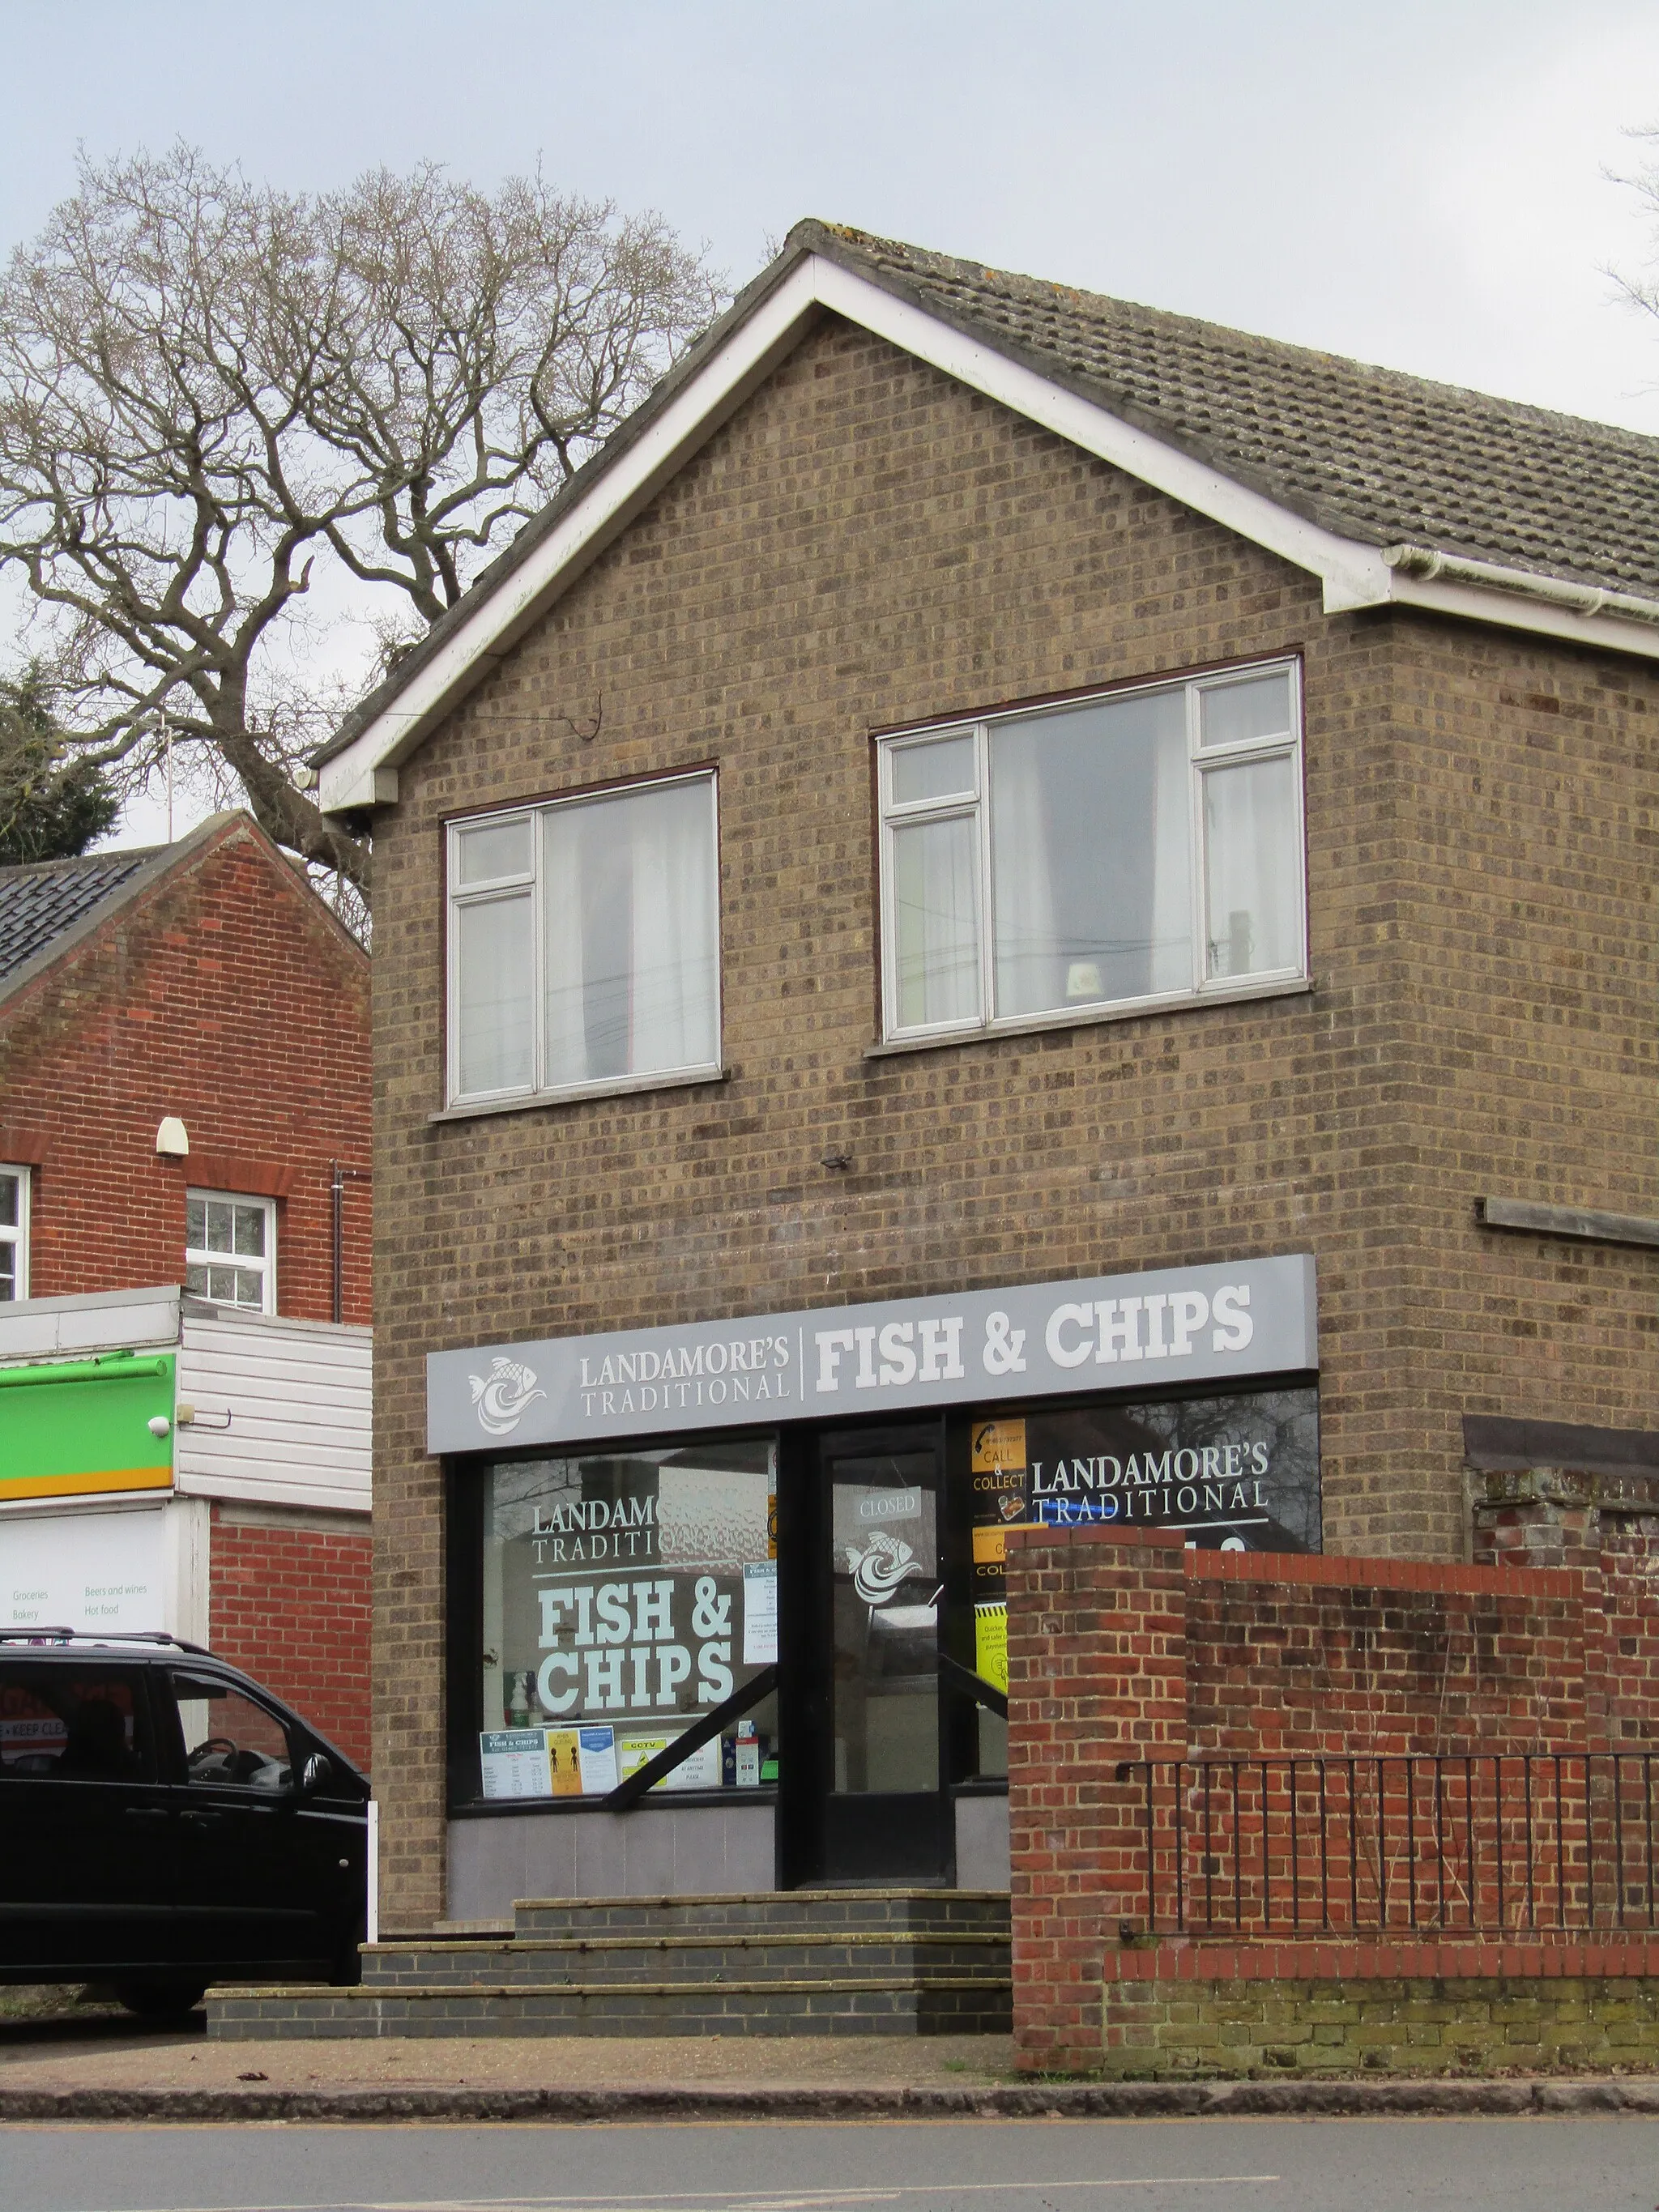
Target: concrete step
x,y
929,2005
798,1956
812,1962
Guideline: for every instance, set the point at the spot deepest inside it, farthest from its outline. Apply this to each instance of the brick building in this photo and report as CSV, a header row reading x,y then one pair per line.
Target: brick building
x,y
1012,908
185,1102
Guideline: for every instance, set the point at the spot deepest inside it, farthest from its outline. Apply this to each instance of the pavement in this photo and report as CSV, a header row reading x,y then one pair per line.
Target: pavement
x,y
97,2067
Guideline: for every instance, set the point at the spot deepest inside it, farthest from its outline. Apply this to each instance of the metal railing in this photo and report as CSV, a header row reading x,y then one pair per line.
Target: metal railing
x,y
1439,1844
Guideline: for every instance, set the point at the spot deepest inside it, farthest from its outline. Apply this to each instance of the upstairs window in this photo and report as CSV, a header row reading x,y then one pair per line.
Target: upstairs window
x,y
1140,849
230,1250
584,945
14,1234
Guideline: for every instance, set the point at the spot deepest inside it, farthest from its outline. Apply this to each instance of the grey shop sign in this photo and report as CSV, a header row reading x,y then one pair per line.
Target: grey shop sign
x,y
1244,1318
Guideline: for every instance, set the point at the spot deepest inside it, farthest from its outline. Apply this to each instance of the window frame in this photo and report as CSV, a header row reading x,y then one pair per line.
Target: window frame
x,y
18,1238
197,1256
458,898
975,805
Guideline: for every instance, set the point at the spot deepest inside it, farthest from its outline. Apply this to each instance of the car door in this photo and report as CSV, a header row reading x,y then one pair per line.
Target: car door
x,y
253,1896
87,1880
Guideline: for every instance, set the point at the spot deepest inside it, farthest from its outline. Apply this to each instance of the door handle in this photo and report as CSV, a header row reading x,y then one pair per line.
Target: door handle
x,y
203,1819
147,1813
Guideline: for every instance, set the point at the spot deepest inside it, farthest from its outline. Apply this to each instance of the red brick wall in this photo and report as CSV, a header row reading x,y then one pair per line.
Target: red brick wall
x,y
290,1606
229,997
1122,1646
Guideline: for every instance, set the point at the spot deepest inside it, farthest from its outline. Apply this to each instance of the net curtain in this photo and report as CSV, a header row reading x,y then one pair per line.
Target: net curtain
x,y
632,920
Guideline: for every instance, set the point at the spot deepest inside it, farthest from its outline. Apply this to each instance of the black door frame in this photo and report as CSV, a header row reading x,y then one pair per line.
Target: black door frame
x,y
807,1617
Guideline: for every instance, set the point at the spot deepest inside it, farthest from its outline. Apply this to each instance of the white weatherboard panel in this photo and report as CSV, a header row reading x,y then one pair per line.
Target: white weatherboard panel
x,y
282,1412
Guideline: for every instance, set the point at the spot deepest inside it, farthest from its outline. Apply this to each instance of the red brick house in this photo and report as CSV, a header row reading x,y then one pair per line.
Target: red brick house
x,y
185,1103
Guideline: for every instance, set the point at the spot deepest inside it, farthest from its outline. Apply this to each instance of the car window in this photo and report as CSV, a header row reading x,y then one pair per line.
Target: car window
x,y
229,1737
84,1723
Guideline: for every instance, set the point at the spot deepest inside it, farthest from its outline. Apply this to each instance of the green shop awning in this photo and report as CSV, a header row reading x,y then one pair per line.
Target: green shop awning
x,y
82,1426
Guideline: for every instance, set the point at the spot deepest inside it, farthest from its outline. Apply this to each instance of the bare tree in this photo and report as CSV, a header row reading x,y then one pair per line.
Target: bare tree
x,y
1643,182
214,395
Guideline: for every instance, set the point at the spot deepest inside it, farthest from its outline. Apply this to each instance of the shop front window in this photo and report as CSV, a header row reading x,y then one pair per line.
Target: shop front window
x,y
626,1596
1238,1474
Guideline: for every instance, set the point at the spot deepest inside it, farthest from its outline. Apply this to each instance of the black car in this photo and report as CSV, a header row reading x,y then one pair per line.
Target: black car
x,y
166,1823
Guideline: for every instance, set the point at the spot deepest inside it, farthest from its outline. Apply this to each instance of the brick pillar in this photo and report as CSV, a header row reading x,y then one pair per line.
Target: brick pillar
x,y
1097,1674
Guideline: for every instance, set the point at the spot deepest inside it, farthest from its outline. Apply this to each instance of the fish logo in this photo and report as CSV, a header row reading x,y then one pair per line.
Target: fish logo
x,y
503,1395
880,1567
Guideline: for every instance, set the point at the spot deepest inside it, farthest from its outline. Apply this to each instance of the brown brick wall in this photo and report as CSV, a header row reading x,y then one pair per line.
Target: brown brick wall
x,y
288,1603
866,544
231,998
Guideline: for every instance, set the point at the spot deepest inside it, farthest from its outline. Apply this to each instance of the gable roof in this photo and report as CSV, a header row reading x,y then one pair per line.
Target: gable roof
x,y
1391,489
1366,453
50,908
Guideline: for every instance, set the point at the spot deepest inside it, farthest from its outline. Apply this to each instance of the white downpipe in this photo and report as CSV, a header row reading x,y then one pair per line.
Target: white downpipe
x,y
371,1915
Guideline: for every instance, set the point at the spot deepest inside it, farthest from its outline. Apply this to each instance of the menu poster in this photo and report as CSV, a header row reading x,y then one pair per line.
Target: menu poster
x,y
760,1615
596,1759
514,1762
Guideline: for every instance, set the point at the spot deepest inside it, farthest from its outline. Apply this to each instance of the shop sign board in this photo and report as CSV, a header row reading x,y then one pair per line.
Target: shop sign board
x,y
1163,1329
85,1570
76,1428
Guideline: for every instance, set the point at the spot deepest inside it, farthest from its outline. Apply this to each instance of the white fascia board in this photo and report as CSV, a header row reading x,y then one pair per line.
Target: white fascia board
x,y
1353,576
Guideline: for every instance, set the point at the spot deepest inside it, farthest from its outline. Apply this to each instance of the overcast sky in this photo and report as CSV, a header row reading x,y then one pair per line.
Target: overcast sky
x,y
1421,184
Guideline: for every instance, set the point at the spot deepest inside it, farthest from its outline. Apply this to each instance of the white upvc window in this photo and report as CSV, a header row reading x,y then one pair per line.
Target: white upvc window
x,y
14,1234
230,1248
1140,849
584,945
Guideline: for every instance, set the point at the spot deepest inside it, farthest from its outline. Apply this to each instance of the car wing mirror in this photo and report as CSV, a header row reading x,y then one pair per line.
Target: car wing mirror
x,y
316,1774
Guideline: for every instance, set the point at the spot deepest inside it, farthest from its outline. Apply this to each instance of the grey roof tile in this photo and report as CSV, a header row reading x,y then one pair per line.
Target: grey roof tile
x,y
1368,452
43,900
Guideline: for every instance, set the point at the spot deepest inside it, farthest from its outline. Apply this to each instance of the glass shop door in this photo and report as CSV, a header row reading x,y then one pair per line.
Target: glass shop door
x,y
885,1816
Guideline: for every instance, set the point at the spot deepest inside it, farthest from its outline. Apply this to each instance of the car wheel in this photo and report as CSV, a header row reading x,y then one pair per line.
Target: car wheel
x,y
160,2000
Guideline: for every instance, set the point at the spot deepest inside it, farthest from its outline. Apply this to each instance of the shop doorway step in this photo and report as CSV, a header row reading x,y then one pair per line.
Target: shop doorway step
x,y
801,1962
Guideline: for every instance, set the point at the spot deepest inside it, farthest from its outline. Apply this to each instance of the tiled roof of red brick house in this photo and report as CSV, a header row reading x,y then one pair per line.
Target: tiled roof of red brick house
x,y
42,901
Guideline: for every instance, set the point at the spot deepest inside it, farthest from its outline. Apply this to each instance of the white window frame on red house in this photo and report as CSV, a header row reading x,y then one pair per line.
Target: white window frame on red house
x,y
205,1262
14,1236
